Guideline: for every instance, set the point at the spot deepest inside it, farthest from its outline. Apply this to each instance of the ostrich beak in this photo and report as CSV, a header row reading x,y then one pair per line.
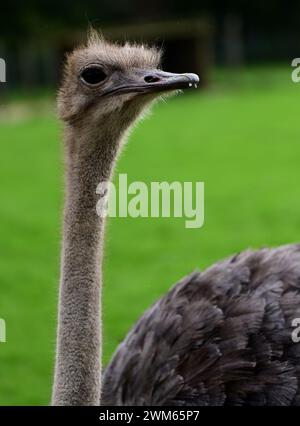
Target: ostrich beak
x,y
160,81
152,81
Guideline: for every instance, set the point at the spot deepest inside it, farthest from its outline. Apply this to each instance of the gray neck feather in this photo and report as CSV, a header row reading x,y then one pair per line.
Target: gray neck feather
x,y
90,159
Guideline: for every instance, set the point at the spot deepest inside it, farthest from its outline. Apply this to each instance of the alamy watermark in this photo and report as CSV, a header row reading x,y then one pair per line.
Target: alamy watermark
x,y
296,331
2,71
2,331
296,71
157,199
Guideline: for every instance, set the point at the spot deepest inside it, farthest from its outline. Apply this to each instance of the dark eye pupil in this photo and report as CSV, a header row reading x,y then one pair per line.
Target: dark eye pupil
x,y
93,75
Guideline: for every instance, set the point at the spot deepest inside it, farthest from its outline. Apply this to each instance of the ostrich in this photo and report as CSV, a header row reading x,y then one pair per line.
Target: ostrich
x,y
218,337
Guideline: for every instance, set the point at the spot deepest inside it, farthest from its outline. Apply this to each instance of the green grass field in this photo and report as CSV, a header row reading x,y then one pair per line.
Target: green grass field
x,y
241,138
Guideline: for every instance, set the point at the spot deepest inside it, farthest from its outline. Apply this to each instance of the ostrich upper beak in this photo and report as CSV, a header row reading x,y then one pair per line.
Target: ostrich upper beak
x,y
153,81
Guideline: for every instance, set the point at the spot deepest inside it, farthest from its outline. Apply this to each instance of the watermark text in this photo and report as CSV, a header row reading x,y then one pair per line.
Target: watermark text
x,y
157,199
2,71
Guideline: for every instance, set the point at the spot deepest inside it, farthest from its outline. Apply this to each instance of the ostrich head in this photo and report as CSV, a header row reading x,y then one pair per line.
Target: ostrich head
x,y
104,80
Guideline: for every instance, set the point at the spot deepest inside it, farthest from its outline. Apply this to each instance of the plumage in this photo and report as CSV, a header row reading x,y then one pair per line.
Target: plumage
x,y
218,337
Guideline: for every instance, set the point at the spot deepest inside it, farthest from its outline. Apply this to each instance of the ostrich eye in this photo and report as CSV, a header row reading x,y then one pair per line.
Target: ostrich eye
x,y
93,75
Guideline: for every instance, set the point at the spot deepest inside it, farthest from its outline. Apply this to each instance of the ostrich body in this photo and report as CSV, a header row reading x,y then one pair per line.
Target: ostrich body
x,y
218,337
221,337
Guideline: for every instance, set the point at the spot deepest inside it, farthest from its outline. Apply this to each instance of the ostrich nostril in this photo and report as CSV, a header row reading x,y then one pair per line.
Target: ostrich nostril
x,y
150,78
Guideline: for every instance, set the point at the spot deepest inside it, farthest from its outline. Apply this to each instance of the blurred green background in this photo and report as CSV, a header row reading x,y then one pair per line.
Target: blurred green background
x,y
240,136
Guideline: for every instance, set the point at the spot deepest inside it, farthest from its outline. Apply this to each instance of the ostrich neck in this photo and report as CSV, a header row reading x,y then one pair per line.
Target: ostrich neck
x,y
89,160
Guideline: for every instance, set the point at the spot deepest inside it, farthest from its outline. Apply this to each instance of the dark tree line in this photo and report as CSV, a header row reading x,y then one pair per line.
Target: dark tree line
x,y
33,18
